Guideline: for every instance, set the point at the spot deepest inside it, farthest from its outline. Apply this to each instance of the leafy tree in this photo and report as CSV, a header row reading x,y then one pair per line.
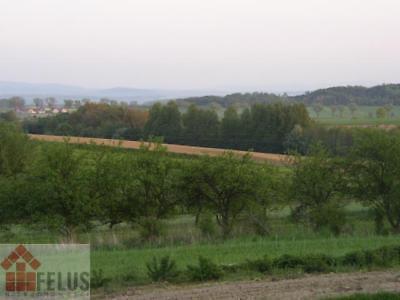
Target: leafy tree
x,y
226,185
113,184
375,168
164,121
157,178
230,127
17,103
353,108
51,102
315,189
201,127
68,103
381,113
59,189
14,149
39,103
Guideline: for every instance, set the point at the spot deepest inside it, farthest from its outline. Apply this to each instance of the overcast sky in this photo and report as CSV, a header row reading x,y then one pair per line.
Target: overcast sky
x,y
277,45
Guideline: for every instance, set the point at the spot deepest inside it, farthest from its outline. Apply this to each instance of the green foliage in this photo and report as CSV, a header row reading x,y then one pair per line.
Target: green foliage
x,y
150,228
315,190
14,149
382,257
318,263
157,180
381,113
206,225
97,279
374,165
377,296
60,179
162,270
263,265
287,261
226,184
205,270
164,121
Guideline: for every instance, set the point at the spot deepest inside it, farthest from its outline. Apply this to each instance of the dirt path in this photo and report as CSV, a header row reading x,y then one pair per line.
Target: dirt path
x,y
308,287
180,149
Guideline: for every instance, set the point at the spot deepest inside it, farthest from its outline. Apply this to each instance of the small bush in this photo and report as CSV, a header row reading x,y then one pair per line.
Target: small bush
x,y
162,270
129,276
97,279
287,261
263,265
318,263
206,270
354,259
150,229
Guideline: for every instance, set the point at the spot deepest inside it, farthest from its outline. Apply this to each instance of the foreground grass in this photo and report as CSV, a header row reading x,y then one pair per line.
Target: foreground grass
x,y
119,263
378,296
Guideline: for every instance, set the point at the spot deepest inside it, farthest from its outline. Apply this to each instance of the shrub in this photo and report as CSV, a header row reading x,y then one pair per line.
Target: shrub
x,y
354,259
206,270
383,256
318,263
162,270
287,261
150,229
262,265
97,279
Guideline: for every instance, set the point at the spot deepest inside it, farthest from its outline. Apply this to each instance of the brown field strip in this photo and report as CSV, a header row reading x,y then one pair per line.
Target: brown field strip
x,y
179,149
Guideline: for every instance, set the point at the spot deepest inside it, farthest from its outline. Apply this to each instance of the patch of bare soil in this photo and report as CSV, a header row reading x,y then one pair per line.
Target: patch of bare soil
x,y
308,287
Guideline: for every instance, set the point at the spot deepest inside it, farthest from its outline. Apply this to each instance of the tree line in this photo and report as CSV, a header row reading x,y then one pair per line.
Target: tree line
x,y
68,188
262,127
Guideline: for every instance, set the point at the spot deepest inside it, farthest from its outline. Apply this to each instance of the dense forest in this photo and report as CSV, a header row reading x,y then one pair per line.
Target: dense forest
x,y
377,95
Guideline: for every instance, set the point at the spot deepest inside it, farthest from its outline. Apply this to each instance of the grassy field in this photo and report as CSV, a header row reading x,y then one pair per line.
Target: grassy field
x,y
361,116
378,296
122,255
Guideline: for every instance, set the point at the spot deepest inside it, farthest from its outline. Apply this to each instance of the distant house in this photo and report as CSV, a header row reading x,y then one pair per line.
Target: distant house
x,y
55,111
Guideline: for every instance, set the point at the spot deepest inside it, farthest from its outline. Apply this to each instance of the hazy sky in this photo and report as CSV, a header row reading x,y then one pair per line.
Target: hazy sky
x,y
279,45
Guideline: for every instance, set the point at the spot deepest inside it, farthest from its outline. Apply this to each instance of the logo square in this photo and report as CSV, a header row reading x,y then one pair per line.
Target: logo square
x,y
31,276
34,264
10,286
6,264
13,257
20,286
21,267
31,286
20,250
27,256
21,276
10,276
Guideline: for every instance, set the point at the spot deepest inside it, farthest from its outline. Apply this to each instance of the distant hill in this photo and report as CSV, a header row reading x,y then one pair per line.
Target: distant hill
x,y
342,95
59,91
377,95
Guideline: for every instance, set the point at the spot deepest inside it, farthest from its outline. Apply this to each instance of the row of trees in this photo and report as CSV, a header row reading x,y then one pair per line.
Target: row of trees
x,y
262,127
68,188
